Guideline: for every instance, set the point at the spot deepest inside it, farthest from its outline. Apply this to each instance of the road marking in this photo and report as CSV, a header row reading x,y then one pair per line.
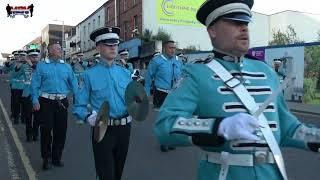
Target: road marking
x,y
11,164
25,160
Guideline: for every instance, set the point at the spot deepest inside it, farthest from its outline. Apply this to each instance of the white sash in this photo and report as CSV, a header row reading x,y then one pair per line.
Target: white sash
x,y
248,101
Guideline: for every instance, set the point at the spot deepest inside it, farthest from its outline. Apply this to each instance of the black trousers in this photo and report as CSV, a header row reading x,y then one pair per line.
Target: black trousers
x,y
32,122
158,98
53,127
36,124
16,103
110,154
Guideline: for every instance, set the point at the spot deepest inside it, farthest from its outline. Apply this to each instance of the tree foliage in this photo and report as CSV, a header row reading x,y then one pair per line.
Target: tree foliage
x,y
312,64
284,38
189,49
162,35
146,36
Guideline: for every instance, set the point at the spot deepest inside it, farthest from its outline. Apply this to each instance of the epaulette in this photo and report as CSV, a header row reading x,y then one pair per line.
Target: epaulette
x,y
91,66
204,61
198,61
118,64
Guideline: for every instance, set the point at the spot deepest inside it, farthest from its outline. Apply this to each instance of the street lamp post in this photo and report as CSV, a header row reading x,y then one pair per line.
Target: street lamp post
x,y
62,38
115,13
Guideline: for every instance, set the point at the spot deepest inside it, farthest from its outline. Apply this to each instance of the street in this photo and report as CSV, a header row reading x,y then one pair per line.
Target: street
x,y
144,161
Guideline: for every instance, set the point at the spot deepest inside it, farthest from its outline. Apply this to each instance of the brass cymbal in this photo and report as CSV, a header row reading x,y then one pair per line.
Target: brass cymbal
x,y
101,125
136,101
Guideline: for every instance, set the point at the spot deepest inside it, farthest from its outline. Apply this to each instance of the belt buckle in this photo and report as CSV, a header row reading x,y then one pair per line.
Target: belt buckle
x,y
260,157
117,122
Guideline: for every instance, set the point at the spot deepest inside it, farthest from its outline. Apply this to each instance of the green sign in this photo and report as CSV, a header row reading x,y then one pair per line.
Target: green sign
x,y
178,12
33,46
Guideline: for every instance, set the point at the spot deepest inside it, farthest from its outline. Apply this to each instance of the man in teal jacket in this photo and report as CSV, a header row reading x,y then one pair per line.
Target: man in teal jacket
x,y
16,79
204,111
32,124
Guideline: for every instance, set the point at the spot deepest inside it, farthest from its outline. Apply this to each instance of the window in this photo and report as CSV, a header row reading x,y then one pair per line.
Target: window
x,y
125,31
94,24
125,5
98,21
84,35
84,31
135,22
89,28
108,14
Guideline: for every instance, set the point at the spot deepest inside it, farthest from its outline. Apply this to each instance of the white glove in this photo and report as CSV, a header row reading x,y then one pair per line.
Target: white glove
x,y
92,118
239,126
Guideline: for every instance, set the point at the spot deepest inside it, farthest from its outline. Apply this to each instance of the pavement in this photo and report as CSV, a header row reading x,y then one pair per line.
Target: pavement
x,y
304,108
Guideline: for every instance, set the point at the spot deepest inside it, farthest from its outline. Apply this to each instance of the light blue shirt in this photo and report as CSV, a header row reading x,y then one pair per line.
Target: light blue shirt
x,y
53,77
103,83
164,71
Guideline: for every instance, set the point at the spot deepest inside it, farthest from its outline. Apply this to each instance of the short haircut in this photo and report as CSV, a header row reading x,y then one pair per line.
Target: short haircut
x,y
167,42
51,44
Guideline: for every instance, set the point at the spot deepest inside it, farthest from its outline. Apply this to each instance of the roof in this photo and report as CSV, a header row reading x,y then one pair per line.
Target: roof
x,y
102,6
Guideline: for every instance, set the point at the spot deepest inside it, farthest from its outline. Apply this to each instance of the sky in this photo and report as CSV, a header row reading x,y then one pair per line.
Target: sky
x,y
17,32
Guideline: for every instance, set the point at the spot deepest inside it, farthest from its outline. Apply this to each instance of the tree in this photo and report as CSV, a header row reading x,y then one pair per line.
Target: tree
x,y
162,35
312,68
284,38
146,36
189,49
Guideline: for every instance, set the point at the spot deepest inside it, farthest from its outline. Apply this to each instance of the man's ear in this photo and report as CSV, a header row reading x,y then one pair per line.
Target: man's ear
x,y
98,47
212,31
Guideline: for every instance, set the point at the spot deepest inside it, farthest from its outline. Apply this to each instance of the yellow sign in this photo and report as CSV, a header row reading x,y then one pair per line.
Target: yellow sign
x,y
178,12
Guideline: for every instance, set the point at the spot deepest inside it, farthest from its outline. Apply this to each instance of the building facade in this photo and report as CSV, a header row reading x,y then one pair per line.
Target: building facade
x,y
130,18
177,18
71,44
36,43
83,30
52,33
138,15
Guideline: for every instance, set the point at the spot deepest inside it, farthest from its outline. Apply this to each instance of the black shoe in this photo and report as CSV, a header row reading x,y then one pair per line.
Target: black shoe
x,y
57,163
35,138
45,164
171,148
164,148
